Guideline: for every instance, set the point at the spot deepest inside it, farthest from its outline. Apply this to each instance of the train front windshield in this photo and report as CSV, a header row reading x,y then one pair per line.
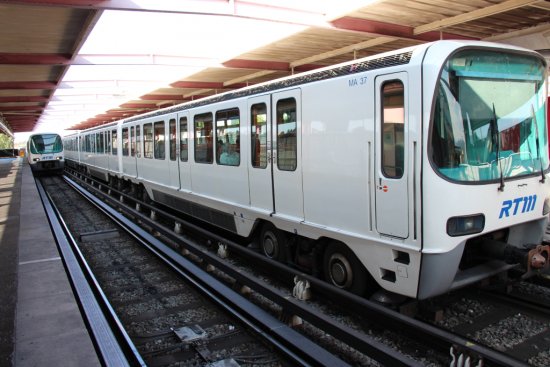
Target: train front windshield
x,y
46,144
489,117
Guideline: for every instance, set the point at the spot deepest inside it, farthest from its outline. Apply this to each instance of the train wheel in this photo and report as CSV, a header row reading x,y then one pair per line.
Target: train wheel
x,y
343,269
273,242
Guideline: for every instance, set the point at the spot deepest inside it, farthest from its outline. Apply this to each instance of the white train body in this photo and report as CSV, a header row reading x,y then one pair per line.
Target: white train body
x,y
45,153
353,154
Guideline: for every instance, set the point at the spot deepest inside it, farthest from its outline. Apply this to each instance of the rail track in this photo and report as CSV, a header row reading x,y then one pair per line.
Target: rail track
x,y
511,316
168,315
361,333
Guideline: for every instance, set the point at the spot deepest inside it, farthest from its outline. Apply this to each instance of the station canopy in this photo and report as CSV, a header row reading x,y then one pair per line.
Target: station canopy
x,y
75,64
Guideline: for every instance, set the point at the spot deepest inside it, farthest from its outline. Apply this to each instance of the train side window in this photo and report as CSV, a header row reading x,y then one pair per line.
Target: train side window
x,y
183,139
98,143
114,142
132,141
125,149
172,128
101,148
228,141
203,138
258,135
393,134
108,140
286,135
160,144
148,140
138,141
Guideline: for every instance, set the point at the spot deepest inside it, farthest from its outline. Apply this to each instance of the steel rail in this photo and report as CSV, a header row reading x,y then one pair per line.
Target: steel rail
x,y
360,341
112,344
294,345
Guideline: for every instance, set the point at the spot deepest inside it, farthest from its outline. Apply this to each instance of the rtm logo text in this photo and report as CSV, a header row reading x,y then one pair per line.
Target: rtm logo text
x,y
513,207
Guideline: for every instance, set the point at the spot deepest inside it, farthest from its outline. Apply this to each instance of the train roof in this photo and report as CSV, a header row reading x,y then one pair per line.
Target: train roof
x,y
387,59
44,133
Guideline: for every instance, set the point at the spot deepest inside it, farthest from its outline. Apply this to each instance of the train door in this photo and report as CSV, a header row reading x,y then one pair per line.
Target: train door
x,y
173,166
153,166
259,174
113,158
286,153
183,151
133,161
391,125
128,151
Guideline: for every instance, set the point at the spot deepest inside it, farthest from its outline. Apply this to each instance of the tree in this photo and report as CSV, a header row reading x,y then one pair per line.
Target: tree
x,y
6,142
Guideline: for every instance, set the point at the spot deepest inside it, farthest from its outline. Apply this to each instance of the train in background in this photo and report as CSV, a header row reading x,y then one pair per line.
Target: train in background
x,y
412,172
45,153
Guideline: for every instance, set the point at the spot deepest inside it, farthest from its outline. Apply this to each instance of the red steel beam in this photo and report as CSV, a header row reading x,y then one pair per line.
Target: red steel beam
x,y
162,97
392,30
78,3
23,99
22,122
139,105
205,85
20,115
197,85
257,64
22,126
196,96
21,108
267,65
119,112
28,85
34,59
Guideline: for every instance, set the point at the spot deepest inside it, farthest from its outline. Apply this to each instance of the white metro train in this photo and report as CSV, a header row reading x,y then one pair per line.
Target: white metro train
x,y
415,171
45,153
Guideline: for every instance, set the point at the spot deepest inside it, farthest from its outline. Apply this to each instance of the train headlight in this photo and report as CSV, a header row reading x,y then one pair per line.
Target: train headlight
x,y
460,226
546,206
59,157
36,159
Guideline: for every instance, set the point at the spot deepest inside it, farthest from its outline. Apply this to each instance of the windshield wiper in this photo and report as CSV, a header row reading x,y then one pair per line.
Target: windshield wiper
x,y
496,141
534,120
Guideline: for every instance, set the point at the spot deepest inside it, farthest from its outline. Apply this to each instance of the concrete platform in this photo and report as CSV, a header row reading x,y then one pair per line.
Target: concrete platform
x,y
40,322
